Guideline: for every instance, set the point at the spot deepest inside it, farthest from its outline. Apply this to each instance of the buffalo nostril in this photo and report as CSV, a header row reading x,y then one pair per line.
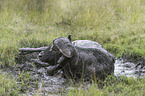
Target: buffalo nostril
x,y
40,55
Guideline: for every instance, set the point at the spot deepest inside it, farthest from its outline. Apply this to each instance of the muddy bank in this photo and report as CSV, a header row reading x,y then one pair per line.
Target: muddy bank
x,y
38,81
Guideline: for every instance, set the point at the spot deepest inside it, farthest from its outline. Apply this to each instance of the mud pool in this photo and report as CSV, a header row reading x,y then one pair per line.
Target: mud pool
x,y
57,85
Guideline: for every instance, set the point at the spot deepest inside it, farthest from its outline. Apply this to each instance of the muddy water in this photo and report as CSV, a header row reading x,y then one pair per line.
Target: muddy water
x,y
56,85
128,69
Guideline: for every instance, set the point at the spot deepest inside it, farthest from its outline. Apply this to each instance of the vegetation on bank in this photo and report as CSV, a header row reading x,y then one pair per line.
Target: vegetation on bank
x,y
8,86
118,25
112,86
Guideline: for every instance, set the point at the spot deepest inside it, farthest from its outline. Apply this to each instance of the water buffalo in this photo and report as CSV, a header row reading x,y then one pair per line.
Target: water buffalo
x,y
78,59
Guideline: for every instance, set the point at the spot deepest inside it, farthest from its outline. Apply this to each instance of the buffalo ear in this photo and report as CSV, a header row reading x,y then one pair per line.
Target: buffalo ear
x,y
69,37
64,46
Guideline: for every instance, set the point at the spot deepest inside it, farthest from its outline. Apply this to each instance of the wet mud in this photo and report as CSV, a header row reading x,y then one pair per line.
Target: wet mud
x,y
40,79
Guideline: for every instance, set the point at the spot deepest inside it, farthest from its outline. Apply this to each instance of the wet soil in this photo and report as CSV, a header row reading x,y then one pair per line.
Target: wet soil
x,y
41,82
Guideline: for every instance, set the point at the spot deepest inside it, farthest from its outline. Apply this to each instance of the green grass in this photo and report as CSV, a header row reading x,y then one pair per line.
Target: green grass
x,y
112,86
8,86
118,25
